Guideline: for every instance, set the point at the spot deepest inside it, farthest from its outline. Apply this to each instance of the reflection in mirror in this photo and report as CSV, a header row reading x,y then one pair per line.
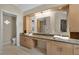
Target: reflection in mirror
x,y
51,21
43,25
63,25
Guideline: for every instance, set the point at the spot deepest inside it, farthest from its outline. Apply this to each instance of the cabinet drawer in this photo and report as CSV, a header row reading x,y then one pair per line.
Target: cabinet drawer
x,y
27,42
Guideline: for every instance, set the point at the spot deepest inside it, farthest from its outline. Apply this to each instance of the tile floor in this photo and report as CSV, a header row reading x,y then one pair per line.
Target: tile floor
x,y
10,49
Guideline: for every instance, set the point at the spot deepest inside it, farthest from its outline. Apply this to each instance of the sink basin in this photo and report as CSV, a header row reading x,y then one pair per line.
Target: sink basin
x,y
61,37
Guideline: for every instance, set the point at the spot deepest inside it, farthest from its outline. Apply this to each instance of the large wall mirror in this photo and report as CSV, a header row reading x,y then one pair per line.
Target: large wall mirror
x,y
43,25
51,22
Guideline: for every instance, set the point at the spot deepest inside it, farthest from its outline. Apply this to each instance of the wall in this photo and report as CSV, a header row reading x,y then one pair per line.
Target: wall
x,y
0,29
13,26
14,10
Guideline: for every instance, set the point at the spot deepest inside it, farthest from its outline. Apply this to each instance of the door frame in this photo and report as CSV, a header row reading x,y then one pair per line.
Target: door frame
x,y
3,26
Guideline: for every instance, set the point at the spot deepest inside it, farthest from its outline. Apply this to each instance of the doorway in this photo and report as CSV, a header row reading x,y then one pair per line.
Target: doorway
x,y
9,28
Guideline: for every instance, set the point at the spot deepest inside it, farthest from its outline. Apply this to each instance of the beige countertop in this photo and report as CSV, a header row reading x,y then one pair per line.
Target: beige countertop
x,y
52,38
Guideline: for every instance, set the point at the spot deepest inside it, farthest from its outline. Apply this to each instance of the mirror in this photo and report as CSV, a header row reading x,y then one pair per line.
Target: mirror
x,y
63,25
43,25
51,22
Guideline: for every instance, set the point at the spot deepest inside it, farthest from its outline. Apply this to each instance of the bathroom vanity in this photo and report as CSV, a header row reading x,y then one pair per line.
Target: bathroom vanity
x,y
53,45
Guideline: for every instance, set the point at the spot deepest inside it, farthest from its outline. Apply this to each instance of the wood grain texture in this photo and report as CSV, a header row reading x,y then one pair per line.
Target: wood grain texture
x,y
27,42
58,48
76,50
74,35
74,17
27,24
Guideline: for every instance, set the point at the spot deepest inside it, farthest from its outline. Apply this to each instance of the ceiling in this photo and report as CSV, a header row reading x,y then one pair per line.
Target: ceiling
x,y
26,7
32,8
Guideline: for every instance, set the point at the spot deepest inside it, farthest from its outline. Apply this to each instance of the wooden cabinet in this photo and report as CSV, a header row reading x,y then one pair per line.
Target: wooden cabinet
x,y
27,24
74,20
67,49
27,42
22,40
74,17
24,23
59,48
52,49
76,49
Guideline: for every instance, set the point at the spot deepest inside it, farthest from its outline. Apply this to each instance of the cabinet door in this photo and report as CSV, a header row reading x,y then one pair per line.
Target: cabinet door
x,y
49,45
29,42
24,23
22,40
59,48
27,24
56,49
76,49
67,49
53,49
74,20
74,17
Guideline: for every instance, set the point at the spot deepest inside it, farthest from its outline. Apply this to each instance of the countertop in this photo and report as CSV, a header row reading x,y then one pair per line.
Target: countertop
x,y
52,38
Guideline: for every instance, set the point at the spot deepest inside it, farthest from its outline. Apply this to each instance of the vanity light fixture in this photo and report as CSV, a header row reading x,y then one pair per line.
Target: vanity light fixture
x,y
7,22
42,13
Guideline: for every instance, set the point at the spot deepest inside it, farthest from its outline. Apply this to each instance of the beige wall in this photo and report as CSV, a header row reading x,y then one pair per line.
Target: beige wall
x,y
14,26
